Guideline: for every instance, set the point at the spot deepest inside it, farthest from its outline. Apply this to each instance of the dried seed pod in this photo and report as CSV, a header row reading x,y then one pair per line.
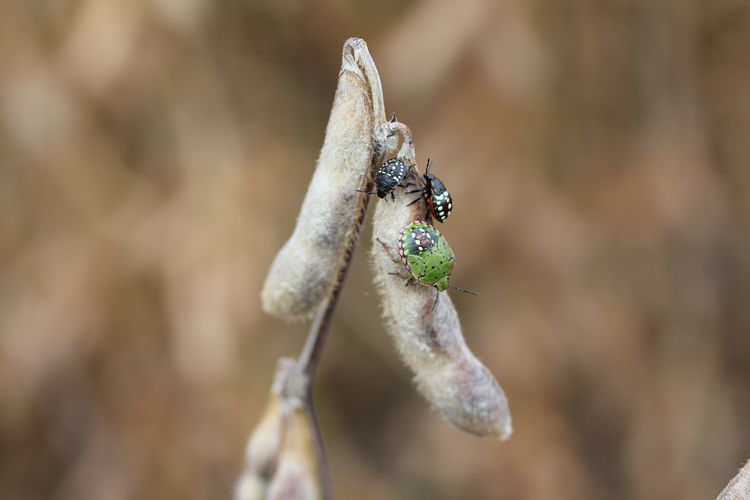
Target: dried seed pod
x,y
297,476
264,445
304,270
262,451
281,456
250,487
430,341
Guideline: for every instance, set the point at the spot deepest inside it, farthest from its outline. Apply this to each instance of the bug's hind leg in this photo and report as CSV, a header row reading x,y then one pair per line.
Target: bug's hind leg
x,y
409,279
437,296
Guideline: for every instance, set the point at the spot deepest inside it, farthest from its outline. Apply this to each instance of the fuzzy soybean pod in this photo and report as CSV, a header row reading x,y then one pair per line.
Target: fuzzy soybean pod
x,y
303,273
430,341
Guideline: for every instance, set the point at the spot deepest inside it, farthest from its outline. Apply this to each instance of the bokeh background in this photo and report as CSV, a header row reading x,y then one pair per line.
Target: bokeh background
x,y
153,156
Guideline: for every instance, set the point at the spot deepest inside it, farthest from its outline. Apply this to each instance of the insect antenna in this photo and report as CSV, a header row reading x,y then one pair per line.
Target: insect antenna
x,y
366,192
463,290
437,296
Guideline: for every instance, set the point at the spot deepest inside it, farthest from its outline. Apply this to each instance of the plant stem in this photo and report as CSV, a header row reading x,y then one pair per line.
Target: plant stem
x,y
316,337
309,358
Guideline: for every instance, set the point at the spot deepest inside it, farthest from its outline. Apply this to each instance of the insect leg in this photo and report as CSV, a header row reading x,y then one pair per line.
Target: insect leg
x,y
388,251
407,278
413,202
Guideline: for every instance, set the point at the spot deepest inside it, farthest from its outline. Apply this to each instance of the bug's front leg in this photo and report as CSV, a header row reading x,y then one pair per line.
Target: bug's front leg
x,y
388,252
416,200
409,279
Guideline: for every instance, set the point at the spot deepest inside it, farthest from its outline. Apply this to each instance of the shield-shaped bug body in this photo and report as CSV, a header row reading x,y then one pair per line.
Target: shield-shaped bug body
x,y
439,200
426,255
390,174
437,197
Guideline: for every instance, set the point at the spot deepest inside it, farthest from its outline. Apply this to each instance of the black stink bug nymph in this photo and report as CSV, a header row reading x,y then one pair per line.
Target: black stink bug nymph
x,y
390,175
437,197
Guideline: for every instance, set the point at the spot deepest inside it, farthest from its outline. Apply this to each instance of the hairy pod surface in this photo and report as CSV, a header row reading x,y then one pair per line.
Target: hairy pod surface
x,y
739,487
305,269
430,341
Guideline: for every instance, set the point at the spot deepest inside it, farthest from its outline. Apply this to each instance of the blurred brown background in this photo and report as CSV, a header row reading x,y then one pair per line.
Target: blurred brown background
x,y
153,156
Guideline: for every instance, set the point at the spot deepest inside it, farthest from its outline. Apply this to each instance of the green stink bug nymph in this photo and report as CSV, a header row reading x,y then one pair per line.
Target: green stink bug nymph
x,y
426,256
